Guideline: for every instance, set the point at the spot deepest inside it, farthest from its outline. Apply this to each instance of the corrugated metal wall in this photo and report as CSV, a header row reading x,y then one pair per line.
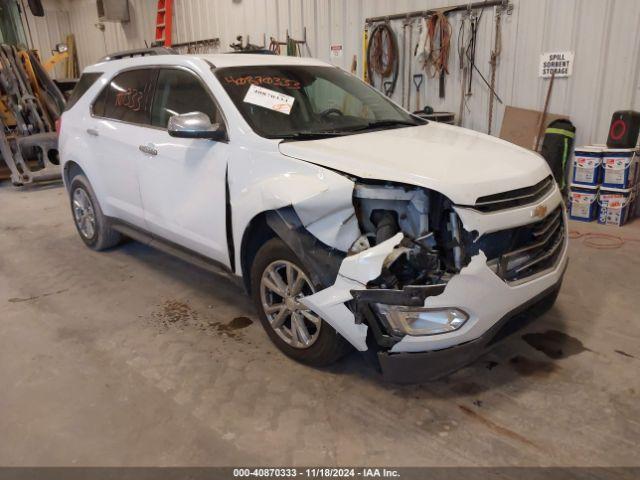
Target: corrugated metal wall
x,y
47,31
604,35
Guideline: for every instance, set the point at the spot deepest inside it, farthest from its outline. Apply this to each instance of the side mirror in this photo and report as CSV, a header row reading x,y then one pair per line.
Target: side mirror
x,y
195,125
61,47
37,10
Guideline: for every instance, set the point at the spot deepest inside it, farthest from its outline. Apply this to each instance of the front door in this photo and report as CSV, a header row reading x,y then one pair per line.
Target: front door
x,y
182,181
121,115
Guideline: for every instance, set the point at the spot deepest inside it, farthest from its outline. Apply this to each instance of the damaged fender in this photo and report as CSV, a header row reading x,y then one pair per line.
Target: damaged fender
x,y
330,217
321,199
355,271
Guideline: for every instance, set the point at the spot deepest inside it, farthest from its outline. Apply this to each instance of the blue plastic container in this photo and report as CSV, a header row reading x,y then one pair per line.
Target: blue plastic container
x,y
614,206
583,203
619,168
587,166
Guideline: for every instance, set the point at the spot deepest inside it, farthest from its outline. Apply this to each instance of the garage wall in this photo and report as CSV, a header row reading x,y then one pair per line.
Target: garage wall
x,y
45,32
602,33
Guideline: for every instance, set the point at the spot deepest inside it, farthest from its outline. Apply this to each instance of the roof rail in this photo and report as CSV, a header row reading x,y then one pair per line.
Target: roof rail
x,y
139,52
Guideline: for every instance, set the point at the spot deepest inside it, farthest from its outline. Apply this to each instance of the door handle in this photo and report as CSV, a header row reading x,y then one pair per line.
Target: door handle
x,y
93,132
149,149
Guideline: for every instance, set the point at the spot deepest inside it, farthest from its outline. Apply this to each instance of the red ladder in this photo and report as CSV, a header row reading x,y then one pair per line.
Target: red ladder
x,y
163,22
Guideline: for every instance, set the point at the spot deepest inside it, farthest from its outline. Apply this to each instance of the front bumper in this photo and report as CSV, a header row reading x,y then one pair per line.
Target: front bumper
x,y
489,300
416,367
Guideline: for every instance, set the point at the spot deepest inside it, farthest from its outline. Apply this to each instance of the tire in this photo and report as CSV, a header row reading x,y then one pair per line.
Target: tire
x,y
326,345
101,236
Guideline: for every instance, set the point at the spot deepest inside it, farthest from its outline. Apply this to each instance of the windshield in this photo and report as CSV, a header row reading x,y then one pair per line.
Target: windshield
x,y
308,101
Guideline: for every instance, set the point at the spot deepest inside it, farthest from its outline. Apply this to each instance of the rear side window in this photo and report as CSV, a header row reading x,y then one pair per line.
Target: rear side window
x,y
127,97
85,82
179,92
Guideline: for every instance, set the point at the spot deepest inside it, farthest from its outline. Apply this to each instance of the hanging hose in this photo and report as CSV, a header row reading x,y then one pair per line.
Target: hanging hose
x,y
382,57
437,56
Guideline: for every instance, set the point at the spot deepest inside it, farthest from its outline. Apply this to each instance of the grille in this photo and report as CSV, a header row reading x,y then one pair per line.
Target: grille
x,y
515,198
521,252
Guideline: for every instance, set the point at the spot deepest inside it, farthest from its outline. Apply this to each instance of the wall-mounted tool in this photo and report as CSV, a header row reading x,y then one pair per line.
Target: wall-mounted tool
x,y
209,45
292,45
417,81
407,51
464,32
436,48
471,50
403,58
433,45
388,88
382,59
467,41
495,54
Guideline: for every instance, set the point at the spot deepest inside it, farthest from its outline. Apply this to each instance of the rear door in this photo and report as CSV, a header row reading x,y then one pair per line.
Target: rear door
x,y
121,114
182,181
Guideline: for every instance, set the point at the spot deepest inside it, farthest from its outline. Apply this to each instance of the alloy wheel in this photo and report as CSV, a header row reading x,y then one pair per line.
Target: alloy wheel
x,y
282,286
83,213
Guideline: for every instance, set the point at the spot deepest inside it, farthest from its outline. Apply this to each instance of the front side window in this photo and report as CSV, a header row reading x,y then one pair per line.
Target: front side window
x,y
128,97
284,101
179,92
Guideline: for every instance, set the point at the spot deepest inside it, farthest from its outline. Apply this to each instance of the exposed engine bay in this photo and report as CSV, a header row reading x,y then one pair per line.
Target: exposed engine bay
x,y
434,246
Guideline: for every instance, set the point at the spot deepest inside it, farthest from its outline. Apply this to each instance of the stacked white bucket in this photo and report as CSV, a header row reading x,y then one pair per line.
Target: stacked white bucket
x,y
604,184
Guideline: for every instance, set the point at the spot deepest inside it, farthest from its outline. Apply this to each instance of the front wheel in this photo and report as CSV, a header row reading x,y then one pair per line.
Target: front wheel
x,y
278,282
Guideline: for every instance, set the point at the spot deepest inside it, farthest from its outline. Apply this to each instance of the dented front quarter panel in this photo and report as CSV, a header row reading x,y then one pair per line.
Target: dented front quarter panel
x,y
261,180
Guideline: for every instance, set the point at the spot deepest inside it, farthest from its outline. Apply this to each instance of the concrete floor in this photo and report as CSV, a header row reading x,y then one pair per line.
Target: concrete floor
x,y
131,357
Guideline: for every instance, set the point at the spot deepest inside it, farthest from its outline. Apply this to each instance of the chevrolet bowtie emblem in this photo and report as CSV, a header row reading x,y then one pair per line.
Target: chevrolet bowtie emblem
x,y
540,211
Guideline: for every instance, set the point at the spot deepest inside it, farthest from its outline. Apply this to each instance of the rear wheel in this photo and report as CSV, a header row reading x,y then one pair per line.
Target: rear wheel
x,y
278,282
92,225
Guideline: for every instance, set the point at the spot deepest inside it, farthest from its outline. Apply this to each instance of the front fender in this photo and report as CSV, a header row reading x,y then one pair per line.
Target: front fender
x,y
322,199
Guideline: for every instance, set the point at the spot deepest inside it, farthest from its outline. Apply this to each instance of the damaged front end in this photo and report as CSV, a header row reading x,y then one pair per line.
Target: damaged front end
x,y
415,285
432,248
411,244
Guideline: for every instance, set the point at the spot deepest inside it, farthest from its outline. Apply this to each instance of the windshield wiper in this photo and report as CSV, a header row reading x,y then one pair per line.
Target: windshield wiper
x,y
315,135
385,123
312,135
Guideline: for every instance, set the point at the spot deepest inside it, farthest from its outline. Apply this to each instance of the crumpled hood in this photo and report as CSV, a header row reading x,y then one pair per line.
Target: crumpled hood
x,y
459,163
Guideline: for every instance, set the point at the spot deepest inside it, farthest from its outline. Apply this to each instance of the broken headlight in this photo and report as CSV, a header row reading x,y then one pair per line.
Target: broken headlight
x,y
420,321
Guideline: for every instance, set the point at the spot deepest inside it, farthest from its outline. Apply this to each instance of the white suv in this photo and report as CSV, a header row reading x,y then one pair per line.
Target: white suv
x,y
351,222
